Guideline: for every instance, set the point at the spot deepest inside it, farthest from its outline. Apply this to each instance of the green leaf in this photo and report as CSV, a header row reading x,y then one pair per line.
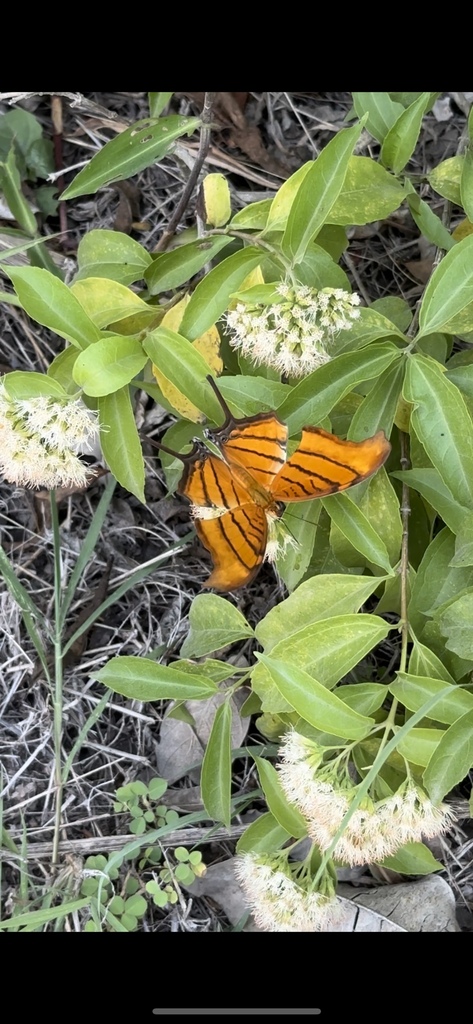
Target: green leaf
x,y
157,102
24,384
321,597
111,254
10,185
139,146
213,623
33,618
301,520
60,370
378,408
22,129
423,662
170,269
318,270
365,698
401,139
436,346
50,302
447,304
464,543
216,775
136,905
253,216
264,835
419,745
285,813
414,691
413,859
315,396
430,485
156,788
317,193
14,250
466,182
109,302
445,179
452,759
213,669
369,193
395,309
328,649
40,917
184,367
108,365
314,703
462,377
142,679
429,224
370,326
280,207
382,112
248,396
437,581
455,623
356,527
443,424
212,295
120,441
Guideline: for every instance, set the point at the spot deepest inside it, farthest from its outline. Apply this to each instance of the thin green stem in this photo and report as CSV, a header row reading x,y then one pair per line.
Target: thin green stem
x,y
405,513
58,676
257,240
384,752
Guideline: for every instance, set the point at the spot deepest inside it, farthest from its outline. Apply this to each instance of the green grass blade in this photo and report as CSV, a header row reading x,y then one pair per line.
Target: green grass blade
x,y
87,547
133,579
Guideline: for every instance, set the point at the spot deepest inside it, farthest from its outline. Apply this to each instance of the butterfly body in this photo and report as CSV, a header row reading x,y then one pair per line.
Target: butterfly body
x,y
238,494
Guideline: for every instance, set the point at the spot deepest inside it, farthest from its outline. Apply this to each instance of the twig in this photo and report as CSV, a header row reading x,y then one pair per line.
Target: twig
x,y
168,234
56,117
108,844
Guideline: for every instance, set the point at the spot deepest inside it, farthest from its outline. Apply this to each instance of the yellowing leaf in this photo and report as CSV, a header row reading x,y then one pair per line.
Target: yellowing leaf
x,y
402,417
216,200
107,302
172,319
464,228
208,345
254,277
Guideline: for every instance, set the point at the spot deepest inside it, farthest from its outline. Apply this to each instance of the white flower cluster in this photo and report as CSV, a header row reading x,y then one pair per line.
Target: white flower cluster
x,y
294,335
282,896
39,439
375,830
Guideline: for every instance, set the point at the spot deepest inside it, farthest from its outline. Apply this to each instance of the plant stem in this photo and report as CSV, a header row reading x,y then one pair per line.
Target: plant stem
x,y
205,134
405,513
57,694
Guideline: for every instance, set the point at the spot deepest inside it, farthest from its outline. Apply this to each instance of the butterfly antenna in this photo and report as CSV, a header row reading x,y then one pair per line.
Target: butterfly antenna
x,y
292,516
164,448
227,413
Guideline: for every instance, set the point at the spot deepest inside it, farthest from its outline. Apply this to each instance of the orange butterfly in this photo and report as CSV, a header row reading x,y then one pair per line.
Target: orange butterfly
x,y
236,495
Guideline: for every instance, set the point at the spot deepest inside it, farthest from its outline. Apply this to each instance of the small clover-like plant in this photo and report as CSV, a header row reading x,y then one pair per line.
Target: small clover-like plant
x,y
140,801
118,911
182,867
95,873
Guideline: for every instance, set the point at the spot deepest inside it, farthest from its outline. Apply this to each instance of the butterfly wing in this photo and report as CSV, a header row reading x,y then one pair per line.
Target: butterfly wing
x,y
208,482
324,464
255,443
235,538
236,541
